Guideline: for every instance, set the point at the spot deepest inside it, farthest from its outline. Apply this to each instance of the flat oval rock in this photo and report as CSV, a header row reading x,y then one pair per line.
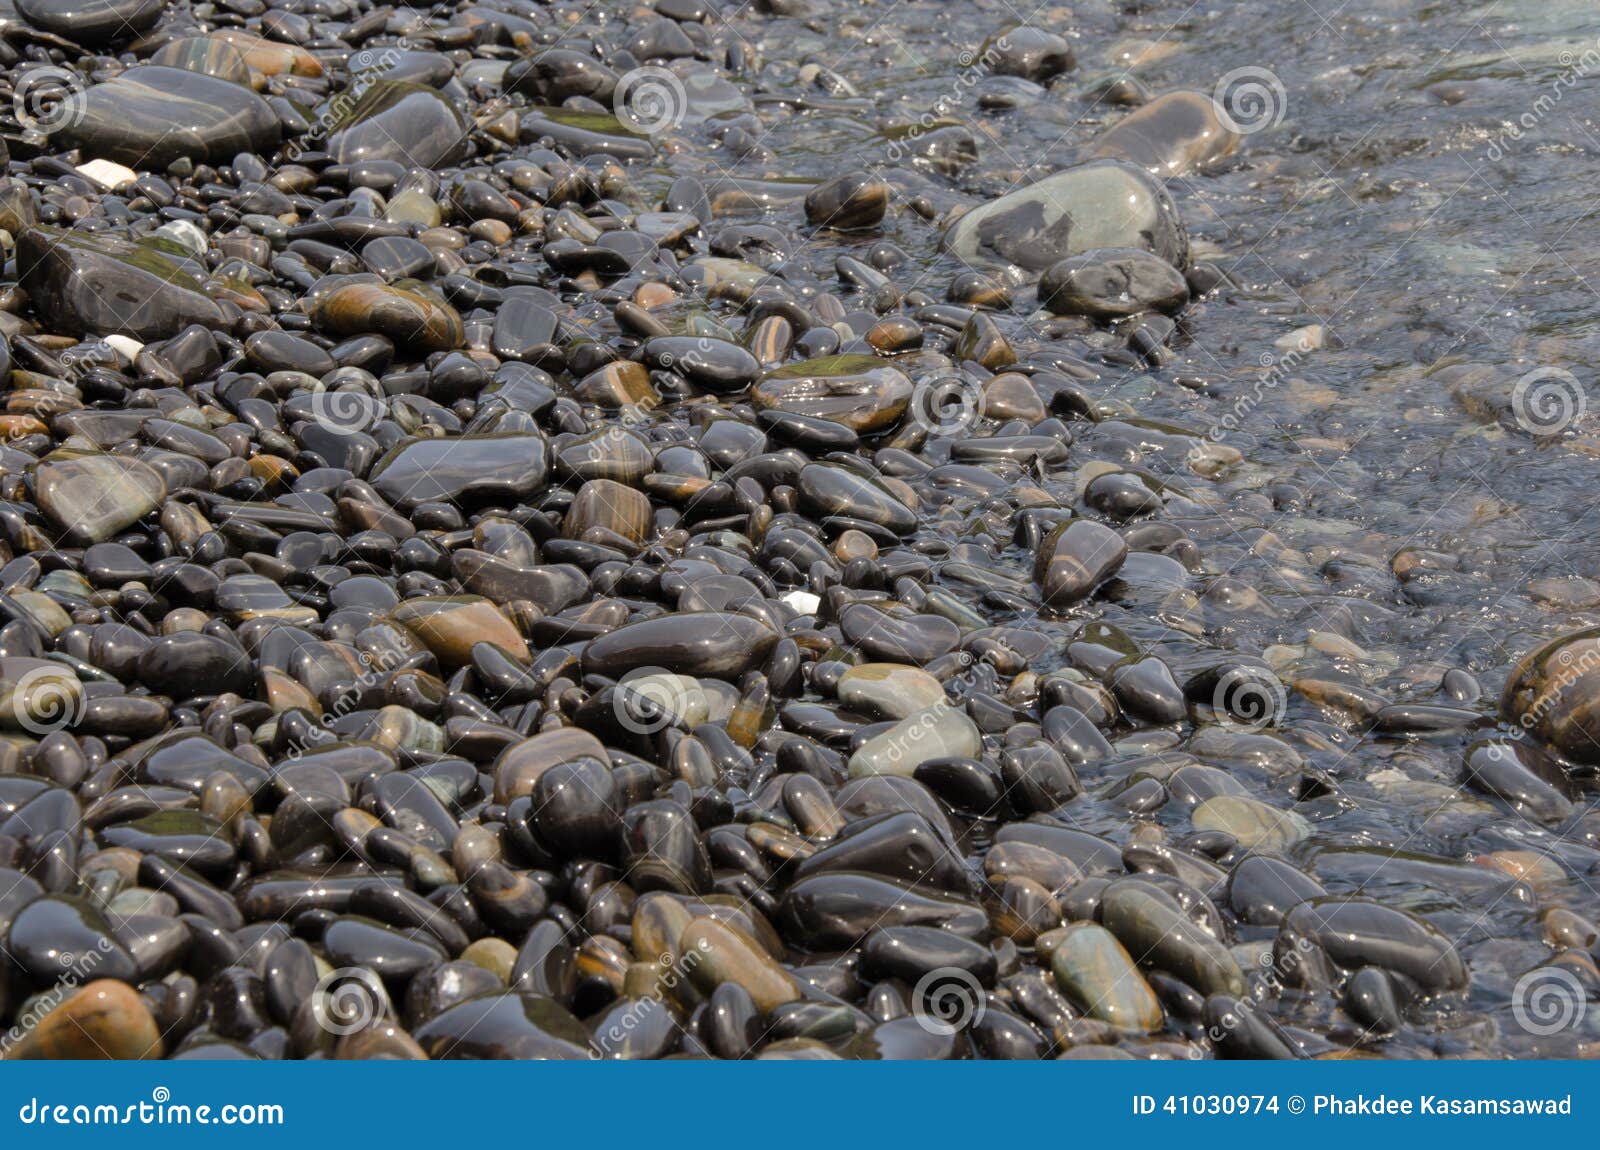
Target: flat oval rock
x,y
1097,974
1356,932
406,312
470,470
515,1026
696,643
151,115
92,22
858,391
1172,135
1554,693
1252,823
827,489
1111,284
55,933
1076,558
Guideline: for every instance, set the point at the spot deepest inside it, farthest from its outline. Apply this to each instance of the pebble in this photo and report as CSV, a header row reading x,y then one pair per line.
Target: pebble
x,y
1112,284
90,497
1076,558
1097,974
95,23
112,287
399,122
1172,135
1354,932
103,1019
850,202
1102,204
855,391
1251,823
1151,924
1551,694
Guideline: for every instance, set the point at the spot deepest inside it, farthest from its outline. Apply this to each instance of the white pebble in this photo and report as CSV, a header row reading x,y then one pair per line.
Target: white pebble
x,y
107,174
803,601
125,346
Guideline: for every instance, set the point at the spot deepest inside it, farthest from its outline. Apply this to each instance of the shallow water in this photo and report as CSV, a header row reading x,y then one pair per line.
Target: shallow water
x,y
1425,201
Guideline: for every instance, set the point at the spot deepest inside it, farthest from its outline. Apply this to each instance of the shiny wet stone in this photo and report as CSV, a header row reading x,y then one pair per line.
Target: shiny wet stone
x,y
151,115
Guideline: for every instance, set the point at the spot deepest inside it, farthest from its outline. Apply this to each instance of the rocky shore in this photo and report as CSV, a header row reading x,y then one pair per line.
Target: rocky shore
x,y
612,531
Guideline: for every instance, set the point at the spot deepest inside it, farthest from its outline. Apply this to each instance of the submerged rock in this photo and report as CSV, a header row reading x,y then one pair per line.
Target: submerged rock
x,y
1102,204
858,391
1553,693
1112,284
1171,136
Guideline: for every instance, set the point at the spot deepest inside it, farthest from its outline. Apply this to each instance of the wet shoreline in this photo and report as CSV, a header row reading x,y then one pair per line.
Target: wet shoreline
x,y
820,530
